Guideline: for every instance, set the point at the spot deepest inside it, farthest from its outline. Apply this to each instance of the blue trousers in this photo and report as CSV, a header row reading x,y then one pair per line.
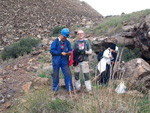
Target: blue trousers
x,y
68,77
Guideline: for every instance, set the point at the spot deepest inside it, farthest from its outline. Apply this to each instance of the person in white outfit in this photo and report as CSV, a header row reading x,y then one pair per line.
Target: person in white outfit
x,y
105,64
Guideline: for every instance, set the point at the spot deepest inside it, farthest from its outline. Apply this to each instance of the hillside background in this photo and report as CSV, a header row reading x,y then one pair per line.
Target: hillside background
x,y
27,30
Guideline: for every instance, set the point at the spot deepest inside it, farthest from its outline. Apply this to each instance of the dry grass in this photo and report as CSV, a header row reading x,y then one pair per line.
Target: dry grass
x,y
103,100
113,24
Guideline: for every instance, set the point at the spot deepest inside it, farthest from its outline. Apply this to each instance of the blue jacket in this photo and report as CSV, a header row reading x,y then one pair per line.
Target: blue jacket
x,y
55,50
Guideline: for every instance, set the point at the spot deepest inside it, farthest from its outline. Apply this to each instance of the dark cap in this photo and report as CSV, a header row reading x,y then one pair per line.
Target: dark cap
x,y
113,46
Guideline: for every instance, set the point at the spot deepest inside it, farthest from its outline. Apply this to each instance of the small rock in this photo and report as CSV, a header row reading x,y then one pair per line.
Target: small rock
x,y
53,38
2,78
23,100
7,105
127,28
135,93
148,34
5,72
39,36
12,91
47,66
38,81
20,65
36,53
61,83
61,97
35,68
9,96
26,87
45,42
2,100
38,87
16,39
50,42
1,70
1,48
15,67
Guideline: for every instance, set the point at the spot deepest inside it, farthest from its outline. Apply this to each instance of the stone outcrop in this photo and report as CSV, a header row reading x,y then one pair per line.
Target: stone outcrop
x,y
139,36
137,73
133,35
100,43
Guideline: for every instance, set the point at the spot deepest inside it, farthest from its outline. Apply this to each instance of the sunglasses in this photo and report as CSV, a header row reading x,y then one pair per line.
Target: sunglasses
x,y
80,33
67,35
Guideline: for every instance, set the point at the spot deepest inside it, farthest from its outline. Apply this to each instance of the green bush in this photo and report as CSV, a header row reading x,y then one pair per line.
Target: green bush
x,y
25,45
129,54
57,30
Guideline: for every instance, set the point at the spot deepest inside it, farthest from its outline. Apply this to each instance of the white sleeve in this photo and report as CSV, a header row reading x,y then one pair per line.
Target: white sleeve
x,y
107,53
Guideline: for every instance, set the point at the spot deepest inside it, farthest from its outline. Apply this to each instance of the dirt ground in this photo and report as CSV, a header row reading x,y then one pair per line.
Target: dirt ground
x,y
14,74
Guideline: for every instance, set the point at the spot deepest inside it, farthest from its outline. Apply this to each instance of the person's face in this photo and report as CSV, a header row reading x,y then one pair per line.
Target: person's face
x,y
63,38
81,35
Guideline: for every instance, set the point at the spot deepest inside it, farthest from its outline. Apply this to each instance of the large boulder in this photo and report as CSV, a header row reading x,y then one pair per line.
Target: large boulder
x,y
137,73
128,42
138,35
99,43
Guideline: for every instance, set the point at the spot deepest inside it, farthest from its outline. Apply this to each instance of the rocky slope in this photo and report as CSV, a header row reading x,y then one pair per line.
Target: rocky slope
x,y
135,35
21,18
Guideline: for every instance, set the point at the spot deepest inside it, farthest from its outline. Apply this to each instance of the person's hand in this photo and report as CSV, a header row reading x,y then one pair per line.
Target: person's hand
x,y
112,62
63,53
69,53
110,56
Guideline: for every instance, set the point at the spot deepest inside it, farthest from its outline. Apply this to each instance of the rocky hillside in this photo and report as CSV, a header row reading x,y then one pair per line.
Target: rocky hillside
x,y
132,33
38,17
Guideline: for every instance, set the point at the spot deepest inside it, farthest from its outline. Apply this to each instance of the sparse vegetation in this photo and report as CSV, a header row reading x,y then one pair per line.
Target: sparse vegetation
x,y
57,30
76,26
59,105
44,59
113,24
103,100
17,49
42,101
129,54
45,74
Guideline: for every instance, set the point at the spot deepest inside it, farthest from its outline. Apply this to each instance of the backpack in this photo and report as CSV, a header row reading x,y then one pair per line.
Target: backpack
x,y
100,55
86,43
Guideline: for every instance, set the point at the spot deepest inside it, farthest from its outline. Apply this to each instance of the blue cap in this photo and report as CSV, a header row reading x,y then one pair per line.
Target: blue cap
x,y
65,32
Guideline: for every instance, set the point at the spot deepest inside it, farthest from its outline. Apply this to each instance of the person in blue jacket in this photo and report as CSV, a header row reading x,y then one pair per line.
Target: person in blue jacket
x,y
60,50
